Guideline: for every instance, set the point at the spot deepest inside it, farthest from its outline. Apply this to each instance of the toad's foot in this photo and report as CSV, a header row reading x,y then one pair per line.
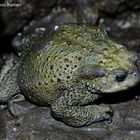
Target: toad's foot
x,y
11,106
77,115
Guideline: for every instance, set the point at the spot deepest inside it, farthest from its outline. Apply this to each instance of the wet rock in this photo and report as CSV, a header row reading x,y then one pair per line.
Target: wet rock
x,y
18,108
132,118
2,124
18,15
112,7
38,123
124,28
23,14
87,11
34,122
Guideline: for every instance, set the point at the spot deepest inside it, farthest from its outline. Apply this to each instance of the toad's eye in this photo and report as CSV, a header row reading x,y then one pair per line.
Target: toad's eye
x,y
120,74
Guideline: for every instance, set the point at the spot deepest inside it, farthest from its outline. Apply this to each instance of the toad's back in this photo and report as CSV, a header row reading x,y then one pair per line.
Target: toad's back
x,y
49,67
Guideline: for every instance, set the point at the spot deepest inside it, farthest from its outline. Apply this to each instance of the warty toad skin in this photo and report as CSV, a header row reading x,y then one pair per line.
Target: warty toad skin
x,y
72,68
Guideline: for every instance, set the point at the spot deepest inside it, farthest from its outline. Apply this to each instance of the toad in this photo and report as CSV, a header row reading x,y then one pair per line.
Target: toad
x,y
69,70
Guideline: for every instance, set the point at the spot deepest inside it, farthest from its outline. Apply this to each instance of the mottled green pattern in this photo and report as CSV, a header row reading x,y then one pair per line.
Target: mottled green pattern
x,y
72,68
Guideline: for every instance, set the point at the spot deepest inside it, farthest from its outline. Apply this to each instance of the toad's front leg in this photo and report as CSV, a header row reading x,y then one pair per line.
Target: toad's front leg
x,y
8,86
73,109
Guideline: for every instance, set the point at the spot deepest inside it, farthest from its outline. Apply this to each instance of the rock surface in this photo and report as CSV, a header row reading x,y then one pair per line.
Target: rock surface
x,y
35,123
